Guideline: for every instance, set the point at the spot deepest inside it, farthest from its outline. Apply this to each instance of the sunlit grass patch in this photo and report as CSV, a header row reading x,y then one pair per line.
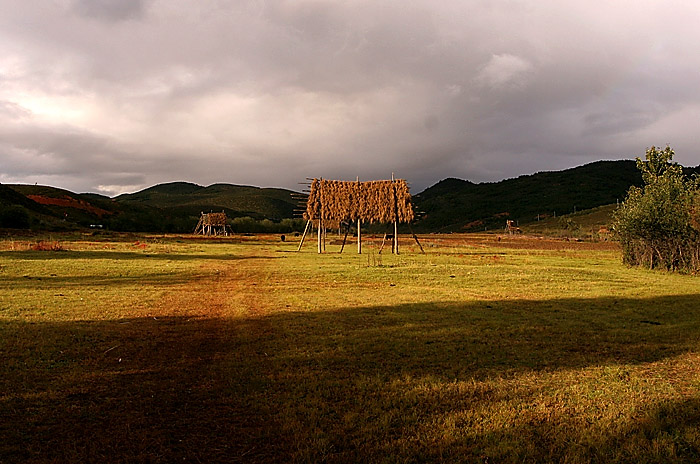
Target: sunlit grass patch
x,y
169,348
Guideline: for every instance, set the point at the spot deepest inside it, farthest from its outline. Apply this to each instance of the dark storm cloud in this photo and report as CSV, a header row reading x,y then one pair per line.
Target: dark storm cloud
x,y
110,10
46,154
123,94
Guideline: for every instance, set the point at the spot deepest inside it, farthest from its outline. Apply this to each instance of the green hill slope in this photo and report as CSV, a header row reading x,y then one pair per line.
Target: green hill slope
x,y
588,224
454,205
172,207
17,210
450,205
236,200
10,197
161,194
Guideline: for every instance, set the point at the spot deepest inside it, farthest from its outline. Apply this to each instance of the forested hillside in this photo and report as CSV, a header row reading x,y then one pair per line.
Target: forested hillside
x,y
451,205
457,205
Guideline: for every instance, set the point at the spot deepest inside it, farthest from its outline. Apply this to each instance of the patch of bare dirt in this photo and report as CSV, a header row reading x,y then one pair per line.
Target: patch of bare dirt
x,y
69,202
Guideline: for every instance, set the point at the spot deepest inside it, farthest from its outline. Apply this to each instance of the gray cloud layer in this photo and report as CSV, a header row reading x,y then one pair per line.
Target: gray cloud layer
x,y
116,95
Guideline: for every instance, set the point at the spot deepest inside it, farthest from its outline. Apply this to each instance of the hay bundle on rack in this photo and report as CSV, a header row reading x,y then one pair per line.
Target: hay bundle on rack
x,y
404,205
313,202
212,224
214,219
381,201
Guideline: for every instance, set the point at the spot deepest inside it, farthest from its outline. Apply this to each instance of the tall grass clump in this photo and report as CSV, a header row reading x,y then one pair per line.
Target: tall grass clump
x,y
43,245
659,224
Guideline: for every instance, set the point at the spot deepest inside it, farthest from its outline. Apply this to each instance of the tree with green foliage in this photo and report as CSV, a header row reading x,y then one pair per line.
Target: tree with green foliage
x,y
569,225
657,224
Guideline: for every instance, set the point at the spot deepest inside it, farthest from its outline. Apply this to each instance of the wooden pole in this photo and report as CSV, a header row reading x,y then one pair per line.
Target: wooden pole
x,y
382,245
306,229
359,236
415,237
320,219
347,229
359,230
319,236
396,237
395,247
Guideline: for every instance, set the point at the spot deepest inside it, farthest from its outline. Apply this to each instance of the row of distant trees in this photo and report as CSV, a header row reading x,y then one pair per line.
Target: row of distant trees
x,y
243,224
249,224
659,223
17,217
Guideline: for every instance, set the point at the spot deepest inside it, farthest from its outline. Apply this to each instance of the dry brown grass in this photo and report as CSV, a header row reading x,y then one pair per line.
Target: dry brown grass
x,y
46,246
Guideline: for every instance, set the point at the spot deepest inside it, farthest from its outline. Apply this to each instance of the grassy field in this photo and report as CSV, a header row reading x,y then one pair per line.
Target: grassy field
x,y
484,349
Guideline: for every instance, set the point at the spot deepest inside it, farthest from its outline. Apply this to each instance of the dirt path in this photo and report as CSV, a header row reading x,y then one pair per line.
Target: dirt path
x,y
226,288
186,382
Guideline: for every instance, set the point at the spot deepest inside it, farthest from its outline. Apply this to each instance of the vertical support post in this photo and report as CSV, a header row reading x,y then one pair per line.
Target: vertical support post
x,y
359,229
395,245
320,235
320,218
359,236
396,237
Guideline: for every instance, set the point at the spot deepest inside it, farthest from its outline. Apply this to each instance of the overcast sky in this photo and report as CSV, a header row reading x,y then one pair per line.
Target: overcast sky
x,y
112,96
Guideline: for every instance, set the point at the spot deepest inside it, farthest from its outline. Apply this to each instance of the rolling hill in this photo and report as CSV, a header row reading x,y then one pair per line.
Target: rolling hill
x,y
451,205
236,200
171,207
454,205
10,198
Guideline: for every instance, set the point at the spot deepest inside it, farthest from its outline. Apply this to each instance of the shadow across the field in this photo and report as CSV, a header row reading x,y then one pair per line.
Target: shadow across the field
x,y
358,384
133,390
123,255
467,340
662,432
62,283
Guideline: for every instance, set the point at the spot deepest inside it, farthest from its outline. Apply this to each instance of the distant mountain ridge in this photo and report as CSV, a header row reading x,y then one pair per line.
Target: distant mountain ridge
x,y
451,205
169,207
454,205
237,200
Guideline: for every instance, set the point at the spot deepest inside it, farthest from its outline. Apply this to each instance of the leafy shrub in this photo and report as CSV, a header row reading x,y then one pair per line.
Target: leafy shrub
x,y
657,224
569,225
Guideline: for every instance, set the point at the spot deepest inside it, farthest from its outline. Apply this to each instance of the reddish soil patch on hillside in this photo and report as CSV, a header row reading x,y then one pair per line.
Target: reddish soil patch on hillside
x,y
69,202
